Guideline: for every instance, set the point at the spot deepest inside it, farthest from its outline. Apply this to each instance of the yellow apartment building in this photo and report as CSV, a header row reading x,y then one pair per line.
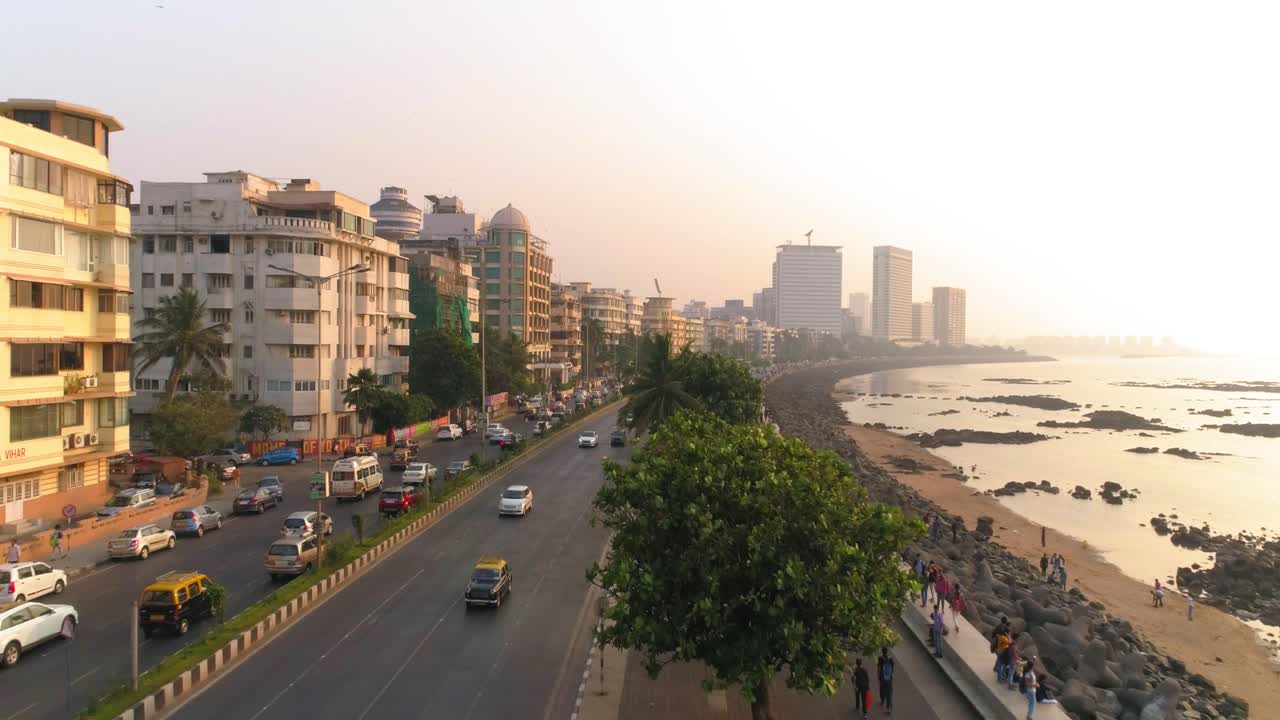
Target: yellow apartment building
x,y
64,310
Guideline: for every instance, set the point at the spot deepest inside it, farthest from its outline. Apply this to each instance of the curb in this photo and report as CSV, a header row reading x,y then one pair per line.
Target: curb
x,y
167,696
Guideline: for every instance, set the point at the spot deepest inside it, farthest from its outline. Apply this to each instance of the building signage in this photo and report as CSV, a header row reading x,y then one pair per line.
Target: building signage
x,y
302,426
15,453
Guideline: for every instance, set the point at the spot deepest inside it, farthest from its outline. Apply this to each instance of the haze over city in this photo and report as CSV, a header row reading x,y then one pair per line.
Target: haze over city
x,y
1101,170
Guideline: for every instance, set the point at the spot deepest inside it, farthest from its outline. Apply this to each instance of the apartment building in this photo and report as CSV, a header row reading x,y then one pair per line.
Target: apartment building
x,y
443,291
891,293
922,322
248,246
605,306
515,269
635,312
661,319
762,339
566,332
64,326
949,315
808,283
694,333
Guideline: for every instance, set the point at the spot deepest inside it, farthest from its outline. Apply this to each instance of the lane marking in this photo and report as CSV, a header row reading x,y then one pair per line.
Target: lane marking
x,y
73,682
23,710
421,643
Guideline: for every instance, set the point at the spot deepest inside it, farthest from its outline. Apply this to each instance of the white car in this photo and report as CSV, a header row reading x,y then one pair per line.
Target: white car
x,y
588,439
516,500
29,624
235,456
418,473
303,523
24,581
449,432
494,431
140,541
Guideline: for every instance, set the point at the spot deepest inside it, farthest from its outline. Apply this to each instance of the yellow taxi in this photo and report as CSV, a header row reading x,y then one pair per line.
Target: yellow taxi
x,y
490,582
174,601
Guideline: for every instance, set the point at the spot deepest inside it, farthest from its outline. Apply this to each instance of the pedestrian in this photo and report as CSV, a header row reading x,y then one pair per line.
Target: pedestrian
x,y
861,689
955,531
1004,656
931,574
918,565
14,555
1029,684
939,627
1015,660
1062,576
1158,592
995,641
957,606
1191,603
55,542
1044,566
884,671
942,586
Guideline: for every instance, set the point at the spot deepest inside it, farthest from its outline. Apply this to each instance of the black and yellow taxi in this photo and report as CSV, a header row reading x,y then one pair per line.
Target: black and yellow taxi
x,y
490,582
174,601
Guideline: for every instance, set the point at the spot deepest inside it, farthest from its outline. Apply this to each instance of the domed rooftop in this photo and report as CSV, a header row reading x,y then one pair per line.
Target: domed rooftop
x,y
509,218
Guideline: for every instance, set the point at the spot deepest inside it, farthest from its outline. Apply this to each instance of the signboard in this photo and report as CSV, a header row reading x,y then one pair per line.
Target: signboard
x,y
302,426
319,485
68,511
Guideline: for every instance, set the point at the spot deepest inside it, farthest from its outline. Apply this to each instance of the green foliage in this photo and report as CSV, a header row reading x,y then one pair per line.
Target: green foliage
x,y
217,594
214,481
597,360
178,331
364,394
338,548
193,425
357,524
421,407
444,367
750,552
506,364
724,386
263,421
658,391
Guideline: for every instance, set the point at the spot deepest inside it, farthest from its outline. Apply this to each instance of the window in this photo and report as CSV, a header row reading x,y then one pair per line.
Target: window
x,y
517,305
493,273
298,247
517,273
113,412
169,243
72,413
220,316
517,238
219,281
148,280
24,488
78,128
399,294
148,245
220,244
166,210
494,305
279,386
78,250
70,478
248,351
302,317
248,246
35,173
304,385
113,192
45,296
188,245
366,290
188,280
112,249
115,357
517,258
166,279
248,281
492,288
286,281
38,119
30,360
359,351
344,425
36,236
302,351
148,313
30,422
248,315
186,206
492,256
517,320
151,209
71,356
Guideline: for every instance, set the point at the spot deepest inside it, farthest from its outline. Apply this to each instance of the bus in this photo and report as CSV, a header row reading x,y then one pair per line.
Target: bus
x,y
354,477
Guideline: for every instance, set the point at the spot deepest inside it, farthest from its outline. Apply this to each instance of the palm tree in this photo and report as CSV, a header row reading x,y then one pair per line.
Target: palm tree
x,y
177,330
658,390
363,393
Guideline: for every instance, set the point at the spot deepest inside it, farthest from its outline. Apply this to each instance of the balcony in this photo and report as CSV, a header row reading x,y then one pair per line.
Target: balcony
x,y
297,299
112,439
219,298
279,331
398,337
399,308
365,305
111,217
111,274
316,265
214,263
364,335
399,280
112,325
113,381
391,365
306,227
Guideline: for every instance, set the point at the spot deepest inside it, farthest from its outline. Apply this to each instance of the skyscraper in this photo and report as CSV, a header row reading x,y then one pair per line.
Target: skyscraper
x,y
807,281
860,311
948,315
922,321
891,293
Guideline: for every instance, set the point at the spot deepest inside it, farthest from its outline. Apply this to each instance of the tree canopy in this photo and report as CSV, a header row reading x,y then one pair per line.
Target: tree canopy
x,y
724,386
750,552
506,363
658,391
193,424
177,331
444,367
263,421
364,393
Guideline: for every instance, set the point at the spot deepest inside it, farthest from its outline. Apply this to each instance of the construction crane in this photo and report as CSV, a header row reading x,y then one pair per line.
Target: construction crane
x,y
657,286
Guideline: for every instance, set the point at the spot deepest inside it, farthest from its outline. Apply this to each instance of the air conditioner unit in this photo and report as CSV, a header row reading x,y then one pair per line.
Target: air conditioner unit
x,y
94,439
268,251
66,442
90,381
79,440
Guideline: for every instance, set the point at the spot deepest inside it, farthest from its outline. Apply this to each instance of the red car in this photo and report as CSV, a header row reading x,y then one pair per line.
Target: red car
x,y
396,500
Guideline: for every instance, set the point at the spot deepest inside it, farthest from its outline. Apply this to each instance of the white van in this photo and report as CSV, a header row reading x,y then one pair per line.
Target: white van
x,y
354,477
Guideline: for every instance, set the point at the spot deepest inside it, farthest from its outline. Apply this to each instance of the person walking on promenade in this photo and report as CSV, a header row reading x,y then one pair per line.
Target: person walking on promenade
x,y
861,690
1191,603
55,543
939,627
1044,566
1004,642
926,579
1015,660
1029,685
884,671
942,588
14,555
957,606
1062,576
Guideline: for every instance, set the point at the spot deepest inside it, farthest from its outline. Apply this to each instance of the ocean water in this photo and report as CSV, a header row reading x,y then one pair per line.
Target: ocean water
x,y
1237,490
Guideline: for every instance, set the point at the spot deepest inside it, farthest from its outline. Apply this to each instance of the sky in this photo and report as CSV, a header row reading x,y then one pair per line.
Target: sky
x,y
1089,168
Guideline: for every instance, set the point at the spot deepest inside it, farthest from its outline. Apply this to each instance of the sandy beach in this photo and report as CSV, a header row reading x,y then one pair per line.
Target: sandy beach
x,y
1215,644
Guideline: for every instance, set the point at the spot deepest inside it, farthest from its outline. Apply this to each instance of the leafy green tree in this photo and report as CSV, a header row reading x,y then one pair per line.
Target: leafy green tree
x,y
178,331
364,393
444,367
193,424
794,568
396,410
724,386
595,347
506,363
263,421
623,356
658,390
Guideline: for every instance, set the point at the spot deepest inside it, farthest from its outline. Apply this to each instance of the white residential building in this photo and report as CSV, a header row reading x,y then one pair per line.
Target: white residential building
x,y
860,312
891,293
807,280
949,315
922,322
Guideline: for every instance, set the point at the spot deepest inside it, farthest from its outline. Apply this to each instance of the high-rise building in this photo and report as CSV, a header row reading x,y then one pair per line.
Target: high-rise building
x,y
808,281
768,311
860,313
515,270
604,306
443,291
242,242
64,333
635,312
397,218
891,293
949,315
661,319
696,309
566,332
922,322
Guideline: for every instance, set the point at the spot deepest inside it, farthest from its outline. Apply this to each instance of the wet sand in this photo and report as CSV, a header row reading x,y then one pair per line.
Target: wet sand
x,y
1215,644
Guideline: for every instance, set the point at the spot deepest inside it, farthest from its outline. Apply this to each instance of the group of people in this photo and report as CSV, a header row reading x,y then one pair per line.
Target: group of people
x,y
1054,569
935,586
1012,670
862,684
1157,598
57,549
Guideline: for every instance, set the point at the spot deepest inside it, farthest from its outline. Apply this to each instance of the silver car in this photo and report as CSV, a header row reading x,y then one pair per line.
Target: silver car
x,y
140,541
196,520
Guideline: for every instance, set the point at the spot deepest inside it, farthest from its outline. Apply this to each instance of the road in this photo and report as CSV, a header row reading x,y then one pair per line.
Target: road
x,y
399,642
99,656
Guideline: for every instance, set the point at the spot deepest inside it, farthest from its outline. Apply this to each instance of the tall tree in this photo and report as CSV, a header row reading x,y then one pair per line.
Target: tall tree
x,y
658,390
263,421
724,386
506,363
444,367
595,345
178,331
794,570
364,394
193,424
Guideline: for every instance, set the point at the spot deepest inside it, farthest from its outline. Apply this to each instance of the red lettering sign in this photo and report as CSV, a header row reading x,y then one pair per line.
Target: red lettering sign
x,y
12,453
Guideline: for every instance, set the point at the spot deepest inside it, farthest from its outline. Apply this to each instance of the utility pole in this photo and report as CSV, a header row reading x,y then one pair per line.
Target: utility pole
x,y
134,619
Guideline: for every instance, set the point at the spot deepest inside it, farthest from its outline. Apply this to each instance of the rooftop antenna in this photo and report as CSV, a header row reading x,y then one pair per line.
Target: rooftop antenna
x,y
657,286
809,237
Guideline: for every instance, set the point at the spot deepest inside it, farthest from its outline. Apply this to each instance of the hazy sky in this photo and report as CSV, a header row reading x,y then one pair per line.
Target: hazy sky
x,y
1081,168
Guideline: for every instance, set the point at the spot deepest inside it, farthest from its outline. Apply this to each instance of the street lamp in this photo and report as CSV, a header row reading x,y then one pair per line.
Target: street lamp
x,y
484,391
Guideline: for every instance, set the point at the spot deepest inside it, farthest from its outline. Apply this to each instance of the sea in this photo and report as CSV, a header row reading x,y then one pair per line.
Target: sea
x,y
1236,488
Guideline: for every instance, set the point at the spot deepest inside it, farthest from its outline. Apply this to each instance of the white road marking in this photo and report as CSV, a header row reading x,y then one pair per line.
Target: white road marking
x,y
73,682
421,643
11,717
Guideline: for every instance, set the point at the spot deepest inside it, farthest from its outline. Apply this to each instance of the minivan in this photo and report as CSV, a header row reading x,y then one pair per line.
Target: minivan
x,y
128,499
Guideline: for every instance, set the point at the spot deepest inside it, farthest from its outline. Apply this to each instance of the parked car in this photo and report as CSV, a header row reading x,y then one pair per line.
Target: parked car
x,y
539,427
23,581
128,499
168,489
280,456
418,473
196,521
516,500
456,468
306,522
449,432
510,440
272,484
139,541
25,626
494,432
173,602
226,455
588,439
410,444
618,438
291,556
395,500
490,582
254,500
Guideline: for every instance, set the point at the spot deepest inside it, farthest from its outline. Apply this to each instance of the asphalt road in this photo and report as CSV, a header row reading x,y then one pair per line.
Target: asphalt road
x,y
399,642
37,687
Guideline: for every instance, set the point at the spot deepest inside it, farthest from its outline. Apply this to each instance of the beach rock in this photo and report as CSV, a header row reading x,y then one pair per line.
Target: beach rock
x,y
911,465
1143,450
948,437
1160,525
1110,420
1040,402
1164,705
1094,669
1037,614
944,412
1078,698
1214,413
1082,493
1266,430
1184,453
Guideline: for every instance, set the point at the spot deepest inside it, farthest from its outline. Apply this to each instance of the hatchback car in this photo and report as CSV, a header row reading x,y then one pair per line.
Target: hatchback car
x,y
395,500
449,432
24,581
196,521
618,438
272,484
291,556
456,468
280,456
490,582
304,523
25,626
174,601
254,500
140,541
588,439
516,500
166,489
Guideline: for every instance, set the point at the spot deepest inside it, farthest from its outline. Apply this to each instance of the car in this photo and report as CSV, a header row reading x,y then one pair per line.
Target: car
x,y
449,432
291,556
272,484
510,440
280,456
174,601
304,523
128,499
516,500
226,455
395,500
418,473
146,479
490,582
399,460
27,625
618,438
456,468
539,428
588,439
494,432
23,581
196,521
140,540
409,444
166,489
254,500
226,469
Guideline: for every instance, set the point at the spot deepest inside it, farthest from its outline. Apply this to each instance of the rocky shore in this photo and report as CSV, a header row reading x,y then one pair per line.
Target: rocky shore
x,y
1110,420
1098,665
946,437
1266,430
1040,402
